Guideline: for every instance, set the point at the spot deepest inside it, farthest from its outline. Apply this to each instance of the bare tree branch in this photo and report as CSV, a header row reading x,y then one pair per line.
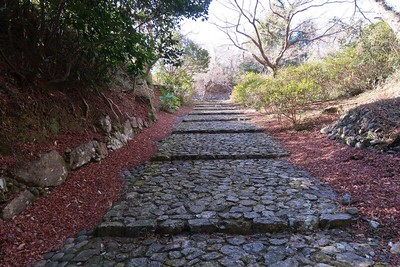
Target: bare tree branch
x,y
273,32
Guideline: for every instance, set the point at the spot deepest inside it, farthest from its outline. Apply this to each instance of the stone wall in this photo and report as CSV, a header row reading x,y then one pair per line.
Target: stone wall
x,y
29,180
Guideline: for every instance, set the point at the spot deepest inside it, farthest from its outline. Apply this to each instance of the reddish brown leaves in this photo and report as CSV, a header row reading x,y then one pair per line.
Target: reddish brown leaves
x,y
372,179
80,202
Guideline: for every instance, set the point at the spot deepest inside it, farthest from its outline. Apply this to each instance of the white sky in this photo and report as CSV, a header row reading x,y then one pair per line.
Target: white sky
x,y
208,36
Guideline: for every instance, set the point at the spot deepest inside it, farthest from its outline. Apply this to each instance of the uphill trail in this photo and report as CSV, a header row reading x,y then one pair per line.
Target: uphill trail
x,y
218,192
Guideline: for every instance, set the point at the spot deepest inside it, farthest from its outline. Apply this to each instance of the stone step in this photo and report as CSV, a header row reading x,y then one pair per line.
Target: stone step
x,y
323,248
216,112
218,105
226,196
218,146
198,118
215,102
216,127
215,108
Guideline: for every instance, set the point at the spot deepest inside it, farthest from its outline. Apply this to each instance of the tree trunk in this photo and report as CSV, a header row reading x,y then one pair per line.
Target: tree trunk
x,y
391,17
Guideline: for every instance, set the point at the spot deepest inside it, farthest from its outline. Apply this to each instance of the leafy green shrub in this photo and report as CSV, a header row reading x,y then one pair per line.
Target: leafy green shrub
x,y
288,94
291,91
179,83
169,101
360,66
350,71
247,92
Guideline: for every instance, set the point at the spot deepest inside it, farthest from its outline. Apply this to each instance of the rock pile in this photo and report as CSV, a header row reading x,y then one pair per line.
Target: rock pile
x,y
361,128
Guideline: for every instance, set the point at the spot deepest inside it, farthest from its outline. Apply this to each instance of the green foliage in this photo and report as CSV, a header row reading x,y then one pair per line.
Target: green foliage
x,y
291,92
361,65
179,82
350,71
169,101
248,90
194,59
286,95
179,78
55,40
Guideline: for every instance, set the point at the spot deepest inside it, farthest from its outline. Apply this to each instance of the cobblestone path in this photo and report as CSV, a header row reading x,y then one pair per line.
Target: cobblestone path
x,y
218,193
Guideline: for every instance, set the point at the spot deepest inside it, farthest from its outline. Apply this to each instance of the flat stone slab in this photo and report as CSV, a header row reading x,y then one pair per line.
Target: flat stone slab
x,y
324,248
215,107
215,112
210,103
228,196
218,146
234,117
216,127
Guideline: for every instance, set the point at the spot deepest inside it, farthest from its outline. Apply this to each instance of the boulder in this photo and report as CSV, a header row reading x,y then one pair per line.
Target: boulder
x,y
121,79
116,141
106,125
49,170
142,90
128,131
101,151
140,123
81,155
18,205
134,123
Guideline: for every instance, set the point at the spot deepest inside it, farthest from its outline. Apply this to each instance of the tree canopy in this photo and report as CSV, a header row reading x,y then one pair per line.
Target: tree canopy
x,y
53,40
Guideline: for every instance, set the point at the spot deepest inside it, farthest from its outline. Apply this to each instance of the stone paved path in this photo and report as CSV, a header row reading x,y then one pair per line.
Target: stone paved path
x,y
218,193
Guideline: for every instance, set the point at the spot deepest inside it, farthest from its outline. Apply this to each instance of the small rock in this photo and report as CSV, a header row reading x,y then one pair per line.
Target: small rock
x,y
138,262
395,248
376,142
325,130
85,255
3,185
236,240
353,259
171,226
255,247
270,224
359,145
331,110
140,123
374,224
350,141
346,199
352,210
57,256
310,197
